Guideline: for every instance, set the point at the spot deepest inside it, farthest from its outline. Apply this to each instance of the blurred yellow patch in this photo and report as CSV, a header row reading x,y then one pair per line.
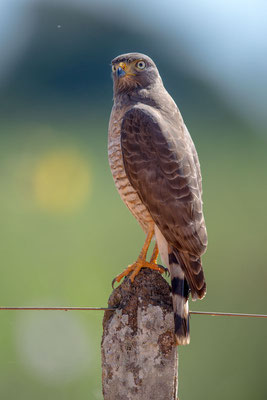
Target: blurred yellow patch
x,y
62,181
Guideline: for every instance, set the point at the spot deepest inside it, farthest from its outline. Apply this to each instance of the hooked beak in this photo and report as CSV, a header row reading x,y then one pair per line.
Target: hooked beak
x,y
123,69
120,72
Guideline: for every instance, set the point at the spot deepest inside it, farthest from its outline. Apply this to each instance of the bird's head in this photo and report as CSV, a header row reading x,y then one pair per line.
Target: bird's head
x,y
133,70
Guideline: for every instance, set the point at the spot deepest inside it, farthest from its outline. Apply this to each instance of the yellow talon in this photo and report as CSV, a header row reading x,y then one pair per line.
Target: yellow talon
x,y
141,261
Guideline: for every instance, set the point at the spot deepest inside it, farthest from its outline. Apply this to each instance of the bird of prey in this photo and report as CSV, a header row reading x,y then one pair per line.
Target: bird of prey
x,y
156,170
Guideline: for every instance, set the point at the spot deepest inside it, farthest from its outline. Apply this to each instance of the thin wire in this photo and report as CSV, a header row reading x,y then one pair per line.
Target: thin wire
x,y
221,314
56,308
217,314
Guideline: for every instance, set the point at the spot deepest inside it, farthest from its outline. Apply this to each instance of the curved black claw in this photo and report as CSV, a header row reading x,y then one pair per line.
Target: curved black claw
x,y
166,271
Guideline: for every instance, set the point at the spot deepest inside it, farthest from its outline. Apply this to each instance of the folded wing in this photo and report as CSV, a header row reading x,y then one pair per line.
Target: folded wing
x,y
161,163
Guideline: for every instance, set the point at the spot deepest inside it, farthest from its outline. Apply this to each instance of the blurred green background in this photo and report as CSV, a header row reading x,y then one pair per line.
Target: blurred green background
x,y
65,233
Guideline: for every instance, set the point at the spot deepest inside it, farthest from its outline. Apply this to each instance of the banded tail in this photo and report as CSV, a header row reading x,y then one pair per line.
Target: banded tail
x,y
192,280
180,295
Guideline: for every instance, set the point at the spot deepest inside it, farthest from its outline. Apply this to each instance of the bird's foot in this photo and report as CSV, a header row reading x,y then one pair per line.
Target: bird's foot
x,y
135,269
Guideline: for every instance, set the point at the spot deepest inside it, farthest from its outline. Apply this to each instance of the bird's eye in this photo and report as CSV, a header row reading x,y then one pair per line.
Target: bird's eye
x,y
140,65
113,68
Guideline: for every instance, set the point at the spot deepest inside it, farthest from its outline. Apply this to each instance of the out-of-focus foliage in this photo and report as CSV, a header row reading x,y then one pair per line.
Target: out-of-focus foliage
x,y
65,234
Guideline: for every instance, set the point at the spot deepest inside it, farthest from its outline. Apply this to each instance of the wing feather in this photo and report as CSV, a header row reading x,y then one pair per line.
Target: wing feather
x,y
161,164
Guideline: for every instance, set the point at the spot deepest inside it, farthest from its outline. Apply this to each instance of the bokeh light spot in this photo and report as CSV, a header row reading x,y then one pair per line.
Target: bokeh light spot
x,y
62,181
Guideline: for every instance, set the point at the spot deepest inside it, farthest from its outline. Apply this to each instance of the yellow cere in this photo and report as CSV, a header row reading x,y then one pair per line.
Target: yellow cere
x,y
122,65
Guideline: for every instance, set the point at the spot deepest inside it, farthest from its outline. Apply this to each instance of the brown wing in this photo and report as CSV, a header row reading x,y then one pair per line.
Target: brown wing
x,y
161,164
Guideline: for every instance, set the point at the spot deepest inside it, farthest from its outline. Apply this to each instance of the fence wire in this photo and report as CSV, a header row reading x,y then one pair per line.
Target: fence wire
x,y
61,308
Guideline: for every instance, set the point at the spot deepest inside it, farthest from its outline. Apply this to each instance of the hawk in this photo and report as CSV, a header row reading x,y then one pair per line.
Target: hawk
x,y
156,170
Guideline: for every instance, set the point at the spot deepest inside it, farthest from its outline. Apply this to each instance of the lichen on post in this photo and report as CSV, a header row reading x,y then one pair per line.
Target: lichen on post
x,y
139,356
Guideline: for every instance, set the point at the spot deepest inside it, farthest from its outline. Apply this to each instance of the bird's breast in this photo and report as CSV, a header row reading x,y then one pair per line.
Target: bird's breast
x,y
123,185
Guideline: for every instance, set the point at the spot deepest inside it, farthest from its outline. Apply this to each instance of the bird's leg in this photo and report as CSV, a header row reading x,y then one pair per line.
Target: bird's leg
x,y
153,259
141,261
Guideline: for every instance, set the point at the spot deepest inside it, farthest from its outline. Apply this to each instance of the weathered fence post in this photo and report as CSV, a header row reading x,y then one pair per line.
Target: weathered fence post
x,y
139,357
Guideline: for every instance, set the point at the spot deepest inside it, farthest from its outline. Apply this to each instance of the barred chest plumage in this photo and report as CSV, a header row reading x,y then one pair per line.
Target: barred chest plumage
x,y
125,189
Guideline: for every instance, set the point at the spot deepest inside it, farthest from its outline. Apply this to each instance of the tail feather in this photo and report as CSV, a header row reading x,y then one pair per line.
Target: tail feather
x,y
194,273
180,294
186,276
